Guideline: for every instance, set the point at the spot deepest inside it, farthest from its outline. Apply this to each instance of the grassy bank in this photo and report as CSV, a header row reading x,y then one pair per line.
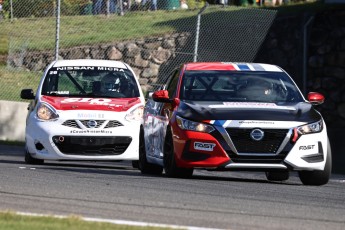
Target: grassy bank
x,y
11,221
39,33
13,81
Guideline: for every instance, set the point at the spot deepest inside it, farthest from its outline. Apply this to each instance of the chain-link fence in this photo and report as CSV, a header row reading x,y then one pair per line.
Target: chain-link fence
x,y
152,41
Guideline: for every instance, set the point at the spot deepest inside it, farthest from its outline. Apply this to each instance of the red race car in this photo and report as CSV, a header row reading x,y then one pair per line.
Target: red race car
x,y
234,116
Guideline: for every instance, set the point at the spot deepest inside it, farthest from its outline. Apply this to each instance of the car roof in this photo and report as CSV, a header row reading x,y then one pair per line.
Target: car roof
x,y
232,66
90,62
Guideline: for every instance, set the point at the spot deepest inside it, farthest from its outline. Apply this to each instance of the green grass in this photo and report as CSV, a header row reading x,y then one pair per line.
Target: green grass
x,y
13,81
11,221
39,33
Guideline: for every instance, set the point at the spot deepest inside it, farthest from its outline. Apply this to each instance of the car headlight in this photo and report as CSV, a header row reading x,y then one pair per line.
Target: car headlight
x,y
46,112
193,126
136,114
310,128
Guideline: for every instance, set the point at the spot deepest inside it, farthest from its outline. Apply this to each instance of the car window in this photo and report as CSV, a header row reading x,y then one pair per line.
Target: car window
x,y
90,81
239,86
172,84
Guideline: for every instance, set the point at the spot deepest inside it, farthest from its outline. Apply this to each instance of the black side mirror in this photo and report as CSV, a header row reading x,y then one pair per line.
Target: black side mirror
x,y
27,94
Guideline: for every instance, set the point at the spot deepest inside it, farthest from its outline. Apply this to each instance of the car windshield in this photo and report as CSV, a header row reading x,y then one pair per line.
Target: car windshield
x,y
90,82
239,86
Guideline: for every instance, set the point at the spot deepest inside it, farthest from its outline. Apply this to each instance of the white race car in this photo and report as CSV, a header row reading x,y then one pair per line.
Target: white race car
x,y
84,110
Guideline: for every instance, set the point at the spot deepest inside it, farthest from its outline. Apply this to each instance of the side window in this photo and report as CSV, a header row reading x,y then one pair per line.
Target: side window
x,y
172,85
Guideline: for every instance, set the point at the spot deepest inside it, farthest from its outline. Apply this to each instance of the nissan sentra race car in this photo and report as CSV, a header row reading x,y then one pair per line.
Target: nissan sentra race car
x,y
84,110
234,116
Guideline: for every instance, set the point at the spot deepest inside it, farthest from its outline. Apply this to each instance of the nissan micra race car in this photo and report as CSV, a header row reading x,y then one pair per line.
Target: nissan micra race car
x,y
234,116
84,110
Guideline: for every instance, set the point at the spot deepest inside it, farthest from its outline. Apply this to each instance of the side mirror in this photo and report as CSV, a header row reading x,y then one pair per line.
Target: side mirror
x,y
27,94
315,98
161,96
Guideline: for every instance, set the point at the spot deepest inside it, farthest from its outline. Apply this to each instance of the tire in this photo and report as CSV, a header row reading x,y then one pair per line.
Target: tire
x,y
277,175
30,160
170,167
135,164
144,166
318,177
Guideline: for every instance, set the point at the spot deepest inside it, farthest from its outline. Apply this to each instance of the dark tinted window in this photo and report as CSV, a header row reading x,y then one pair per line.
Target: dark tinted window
x,y
239,86
172,84
90,81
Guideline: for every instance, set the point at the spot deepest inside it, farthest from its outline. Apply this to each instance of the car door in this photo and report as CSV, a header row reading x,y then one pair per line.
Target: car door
x,y
157,119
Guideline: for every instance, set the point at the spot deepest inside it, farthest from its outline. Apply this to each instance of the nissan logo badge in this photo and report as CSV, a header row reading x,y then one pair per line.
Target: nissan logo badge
x,y
257,134
92,123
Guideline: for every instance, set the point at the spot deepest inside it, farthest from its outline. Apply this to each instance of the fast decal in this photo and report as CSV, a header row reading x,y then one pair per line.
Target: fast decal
x,y
306,147
204,146
91,101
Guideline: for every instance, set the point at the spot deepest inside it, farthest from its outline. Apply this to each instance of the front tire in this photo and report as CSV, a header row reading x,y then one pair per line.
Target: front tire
x,y
170,167
30,160
144,166
318,177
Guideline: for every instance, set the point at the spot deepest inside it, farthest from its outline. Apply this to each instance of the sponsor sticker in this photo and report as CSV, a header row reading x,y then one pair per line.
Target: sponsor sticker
x,y
90,131
91,101
204,146
251,105
88,68
90,115
308,148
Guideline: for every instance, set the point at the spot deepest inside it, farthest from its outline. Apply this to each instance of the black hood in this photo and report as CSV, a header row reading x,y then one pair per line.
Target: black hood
x,y
301,112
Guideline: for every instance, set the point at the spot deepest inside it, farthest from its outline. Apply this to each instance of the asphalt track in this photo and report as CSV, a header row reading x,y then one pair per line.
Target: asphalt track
x,y
114,190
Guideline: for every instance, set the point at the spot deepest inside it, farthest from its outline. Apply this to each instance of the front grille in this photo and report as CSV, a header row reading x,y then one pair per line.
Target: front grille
x,y
113,124
268,145
74,124
92,146
99,123
71,123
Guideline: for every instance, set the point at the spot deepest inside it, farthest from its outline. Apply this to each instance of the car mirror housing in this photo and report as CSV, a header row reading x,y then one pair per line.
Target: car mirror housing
x,y
27,94
315,98
161,96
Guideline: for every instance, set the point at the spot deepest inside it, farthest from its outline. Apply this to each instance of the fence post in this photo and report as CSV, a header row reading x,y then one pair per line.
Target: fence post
x,y
57,29
305,27
197,33
11,3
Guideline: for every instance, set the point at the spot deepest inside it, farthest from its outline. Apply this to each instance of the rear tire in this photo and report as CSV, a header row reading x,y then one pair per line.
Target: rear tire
x,y
277,175
170,167
318,177
144,166
30,160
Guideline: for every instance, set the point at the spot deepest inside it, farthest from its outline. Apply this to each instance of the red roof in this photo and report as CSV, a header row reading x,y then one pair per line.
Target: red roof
x,y
210,66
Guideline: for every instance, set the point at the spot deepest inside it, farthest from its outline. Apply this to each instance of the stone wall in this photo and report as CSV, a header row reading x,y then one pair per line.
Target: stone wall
x,y
145,56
